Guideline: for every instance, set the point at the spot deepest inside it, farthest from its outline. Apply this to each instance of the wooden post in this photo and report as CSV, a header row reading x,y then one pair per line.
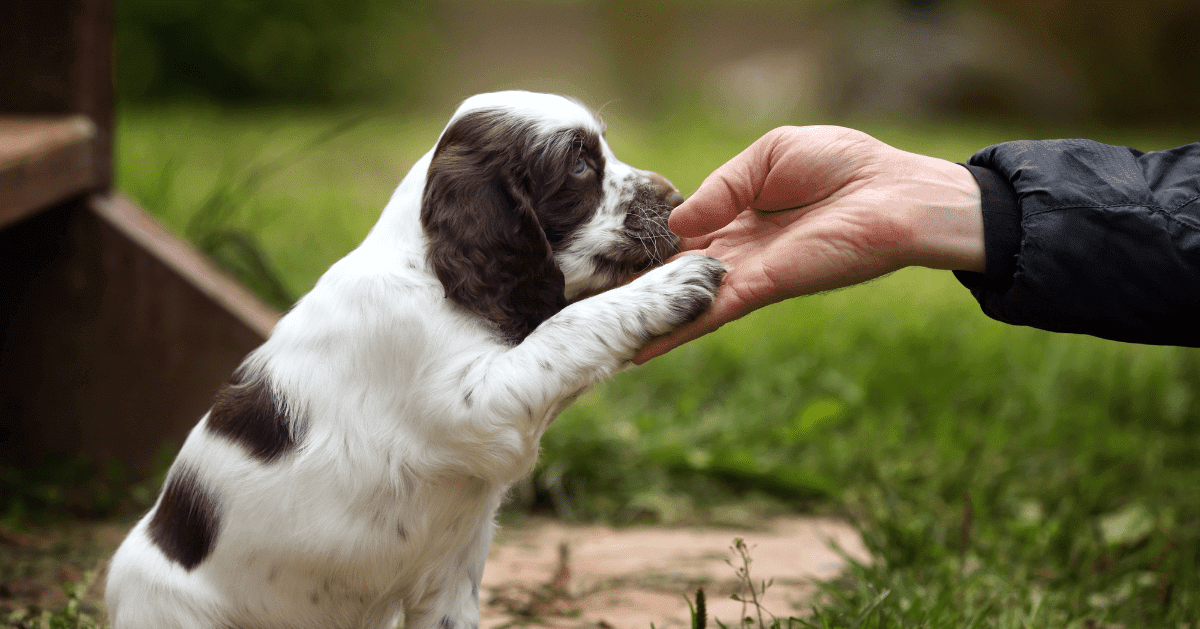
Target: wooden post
x,y
115,332
57,60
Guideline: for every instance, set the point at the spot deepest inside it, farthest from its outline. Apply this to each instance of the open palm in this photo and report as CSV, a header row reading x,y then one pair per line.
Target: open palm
x,y
808,209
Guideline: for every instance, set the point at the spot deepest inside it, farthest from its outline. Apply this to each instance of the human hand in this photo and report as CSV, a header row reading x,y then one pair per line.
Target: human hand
x,y
810,209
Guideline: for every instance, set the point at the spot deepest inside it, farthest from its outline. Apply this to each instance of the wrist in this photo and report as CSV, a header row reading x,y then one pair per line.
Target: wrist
x,y
946,217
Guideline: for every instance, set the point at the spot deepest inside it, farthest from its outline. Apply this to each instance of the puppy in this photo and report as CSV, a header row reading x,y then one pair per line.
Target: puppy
x,y
351,469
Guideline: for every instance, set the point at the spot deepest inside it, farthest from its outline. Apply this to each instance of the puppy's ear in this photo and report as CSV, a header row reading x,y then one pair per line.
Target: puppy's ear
x,y
485,242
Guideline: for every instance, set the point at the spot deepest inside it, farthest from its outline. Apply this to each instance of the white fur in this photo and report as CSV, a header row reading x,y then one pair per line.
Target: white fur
x,y
375,367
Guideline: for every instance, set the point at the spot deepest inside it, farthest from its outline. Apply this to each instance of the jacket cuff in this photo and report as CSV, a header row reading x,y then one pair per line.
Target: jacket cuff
x,y
1001,230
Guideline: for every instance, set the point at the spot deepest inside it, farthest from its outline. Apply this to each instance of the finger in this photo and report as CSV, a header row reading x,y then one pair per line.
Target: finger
x,y
697,245
723,195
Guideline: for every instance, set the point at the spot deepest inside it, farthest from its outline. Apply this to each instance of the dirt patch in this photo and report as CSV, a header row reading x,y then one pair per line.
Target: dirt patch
x,y
556,575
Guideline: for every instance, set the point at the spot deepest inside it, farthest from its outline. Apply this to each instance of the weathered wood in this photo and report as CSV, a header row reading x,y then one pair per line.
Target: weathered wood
x,y
116,334
189,263
57,60
44,161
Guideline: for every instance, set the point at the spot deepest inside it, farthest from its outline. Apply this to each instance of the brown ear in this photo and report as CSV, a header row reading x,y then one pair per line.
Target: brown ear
x,y
485,243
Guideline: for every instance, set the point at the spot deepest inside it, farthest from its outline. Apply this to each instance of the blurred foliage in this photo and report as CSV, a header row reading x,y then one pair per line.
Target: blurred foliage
x,y
1134,62
66,487
1139,58
271,50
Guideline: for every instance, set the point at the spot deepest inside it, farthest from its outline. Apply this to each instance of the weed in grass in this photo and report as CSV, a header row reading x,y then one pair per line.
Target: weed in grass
x,y
214,220
698,611
239,251
749,594
755,591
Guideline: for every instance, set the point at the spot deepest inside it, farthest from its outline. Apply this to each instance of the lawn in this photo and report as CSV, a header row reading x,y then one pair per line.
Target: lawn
x,y
1002,476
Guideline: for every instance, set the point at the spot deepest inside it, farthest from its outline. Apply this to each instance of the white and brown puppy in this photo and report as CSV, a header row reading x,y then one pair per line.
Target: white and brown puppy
x,y
351,470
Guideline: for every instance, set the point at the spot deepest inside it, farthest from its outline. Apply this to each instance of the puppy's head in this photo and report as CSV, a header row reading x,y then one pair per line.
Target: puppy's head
x,y
526,207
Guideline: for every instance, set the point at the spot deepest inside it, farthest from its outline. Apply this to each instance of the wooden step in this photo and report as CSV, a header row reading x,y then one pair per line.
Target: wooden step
x,y
43,160
114,334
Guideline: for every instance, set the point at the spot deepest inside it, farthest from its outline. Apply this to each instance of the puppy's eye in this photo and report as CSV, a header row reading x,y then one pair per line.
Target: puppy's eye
x,y
581,166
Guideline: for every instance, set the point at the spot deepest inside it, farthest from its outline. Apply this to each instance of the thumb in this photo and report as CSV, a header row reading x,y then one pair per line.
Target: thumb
x,y
788,167
723,195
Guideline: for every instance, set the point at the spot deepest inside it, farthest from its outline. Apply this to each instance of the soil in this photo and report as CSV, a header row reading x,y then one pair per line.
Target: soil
x,y
542,573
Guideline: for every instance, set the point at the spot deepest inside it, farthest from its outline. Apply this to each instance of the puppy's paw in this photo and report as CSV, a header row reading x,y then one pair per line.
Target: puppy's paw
x,y
687,287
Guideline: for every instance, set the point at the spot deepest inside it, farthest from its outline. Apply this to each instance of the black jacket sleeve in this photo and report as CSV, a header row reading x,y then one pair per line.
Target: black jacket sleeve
x,y
1090,238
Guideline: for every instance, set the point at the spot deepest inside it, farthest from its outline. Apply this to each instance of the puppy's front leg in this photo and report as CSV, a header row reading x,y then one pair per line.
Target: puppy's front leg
x,y
455,607
593,338
450,596
508,399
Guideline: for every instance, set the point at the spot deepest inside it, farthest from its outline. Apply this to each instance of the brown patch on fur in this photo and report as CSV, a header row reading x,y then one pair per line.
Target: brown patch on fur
x,y
245,412
188,518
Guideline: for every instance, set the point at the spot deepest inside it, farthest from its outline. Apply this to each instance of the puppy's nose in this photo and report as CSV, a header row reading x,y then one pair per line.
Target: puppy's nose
x,y
668,191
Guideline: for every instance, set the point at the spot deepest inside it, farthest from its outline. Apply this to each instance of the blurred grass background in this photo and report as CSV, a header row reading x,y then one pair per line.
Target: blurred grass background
x,y
1002,476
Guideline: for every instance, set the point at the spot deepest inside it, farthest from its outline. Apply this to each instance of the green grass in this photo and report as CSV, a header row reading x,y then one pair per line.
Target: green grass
x,y
1002,476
